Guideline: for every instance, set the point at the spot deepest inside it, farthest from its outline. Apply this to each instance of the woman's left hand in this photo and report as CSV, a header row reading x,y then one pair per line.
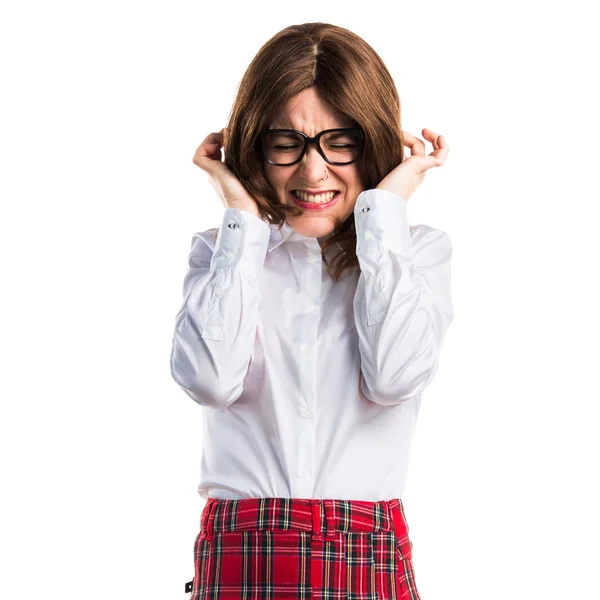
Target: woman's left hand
x,y
409,174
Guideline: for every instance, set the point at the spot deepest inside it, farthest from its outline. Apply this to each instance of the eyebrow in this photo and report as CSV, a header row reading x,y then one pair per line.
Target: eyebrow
x,y
295,129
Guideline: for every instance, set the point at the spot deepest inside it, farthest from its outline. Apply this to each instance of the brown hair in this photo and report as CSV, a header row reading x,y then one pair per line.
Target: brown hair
x,y
346,73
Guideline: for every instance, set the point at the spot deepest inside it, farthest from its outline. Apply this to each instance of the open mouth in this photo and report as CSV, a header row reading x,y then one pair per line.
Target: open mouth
x,y
325,200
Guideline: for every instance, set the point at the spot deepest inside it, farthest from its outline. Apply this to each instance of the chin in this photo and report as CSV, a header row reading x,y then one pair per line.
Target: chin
x,y
316,230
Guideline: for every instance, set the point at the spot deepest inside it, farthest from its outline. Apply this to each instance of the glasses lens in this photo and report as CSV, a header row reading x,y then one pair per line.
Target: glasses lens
x,y
284,148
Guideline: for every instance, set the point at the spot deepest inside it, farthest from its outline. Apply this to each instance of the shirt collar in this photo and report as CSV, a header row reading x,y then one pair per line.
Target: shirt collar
x,y
288,234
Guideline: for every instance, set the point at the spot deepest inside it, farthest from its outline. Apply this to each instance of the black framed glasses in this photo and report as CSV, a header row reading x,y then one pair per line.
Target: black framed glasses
x,y
284,147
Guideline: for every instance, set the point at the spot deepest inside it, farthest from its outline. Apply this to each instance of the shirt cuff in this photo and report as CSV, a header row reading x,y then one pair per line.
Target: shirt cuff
x,y
242,238
381,218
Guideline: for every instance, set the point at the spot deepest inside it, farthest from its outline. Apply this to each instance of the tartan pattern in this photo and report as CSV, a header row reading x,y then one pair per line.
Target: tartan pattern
x,y
289,548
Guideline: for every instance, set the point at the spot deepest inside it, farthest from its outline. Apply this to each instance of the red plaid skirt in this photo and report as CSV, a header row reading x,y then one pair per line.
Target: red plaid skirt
x,y
290,548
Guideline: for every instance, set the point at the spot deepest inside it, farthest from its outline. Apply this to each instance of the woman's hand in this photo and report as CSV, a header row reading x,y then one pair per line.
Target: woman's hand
x,y
229,188
409,174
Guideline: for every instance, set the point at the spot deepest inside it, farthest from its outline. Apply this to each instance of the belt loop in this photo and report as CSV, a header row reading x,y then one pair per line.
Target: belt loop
x,y
316,518
318,506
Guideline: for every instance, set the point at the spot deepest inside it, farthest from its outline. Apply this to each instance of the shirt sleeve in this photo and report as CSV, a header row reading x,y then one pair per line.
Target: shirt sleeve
x,y
215,328
403,301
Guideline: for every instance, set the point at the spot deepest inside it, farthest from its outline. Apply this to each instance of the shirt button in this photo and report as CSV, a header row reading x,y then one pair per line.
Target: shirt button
x,y
229,254
368,235
306,473
312,306
313,258
306,350
306,413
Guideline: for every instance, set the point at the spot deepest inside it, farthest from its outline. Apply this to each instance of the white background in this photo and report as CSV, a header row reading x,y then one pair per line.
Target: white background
x,y
102,108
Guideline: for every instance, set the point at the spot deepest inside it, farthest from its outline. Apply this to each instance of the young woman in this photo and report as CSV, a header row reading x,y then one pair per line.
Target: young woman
x,y
312,322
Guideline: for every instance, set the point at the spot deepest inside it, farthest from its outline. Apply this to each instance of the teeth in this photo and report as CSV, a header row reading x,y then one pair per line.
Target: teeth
x,y
319,198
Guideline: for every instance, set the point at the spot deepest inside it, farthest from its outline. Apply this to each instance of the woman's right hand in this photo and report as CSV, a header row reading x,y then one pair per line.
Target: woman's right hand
x,y
229,188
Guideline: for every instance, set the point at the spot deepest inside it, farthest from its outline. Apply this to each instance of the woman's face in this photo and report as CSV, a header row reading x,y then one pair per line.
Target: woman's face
x,y
306,112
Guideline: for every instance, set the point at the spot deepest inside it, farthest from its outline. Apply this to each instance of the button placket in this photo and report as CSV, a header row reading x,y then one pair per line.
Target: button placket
x,y
220,288
307,345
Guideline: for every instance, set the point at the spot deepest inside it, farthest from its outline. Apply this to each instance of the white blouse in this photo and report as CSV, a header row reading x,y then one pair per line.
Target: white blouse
x,y
311,388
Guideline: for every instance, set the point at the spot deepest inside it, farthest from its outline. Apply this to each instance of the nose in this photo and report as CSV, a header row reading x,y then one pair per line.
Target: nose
x,y
313,165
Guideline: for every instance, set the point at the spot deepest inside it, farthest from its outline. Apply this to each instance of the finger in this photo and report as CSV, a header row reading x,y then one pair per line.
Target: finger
x,y
437,141
207,149
427,162
441,149
216,137
208,156
416,145
431,136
